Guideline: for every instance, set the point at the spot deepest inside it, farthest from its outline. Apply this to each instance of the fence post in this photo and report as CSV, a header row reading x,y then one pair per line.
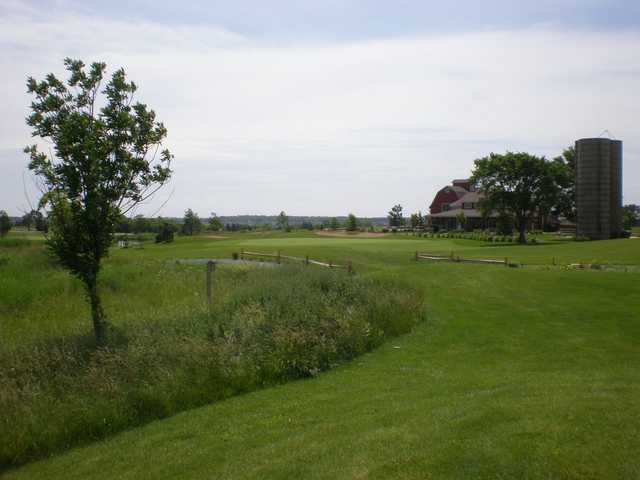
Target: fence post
x,y
210,268
278,257
242,254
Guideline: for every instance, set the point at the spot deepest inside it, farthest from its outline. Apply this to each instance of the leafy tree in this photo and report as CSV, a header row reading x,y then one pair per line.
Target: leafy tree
x,y
283,222
462,219
191,223
307,225
352,223
334,224
28,220
103,164
165,233
215,225
565,172
395,216
516,184
139,224
5,223
630,216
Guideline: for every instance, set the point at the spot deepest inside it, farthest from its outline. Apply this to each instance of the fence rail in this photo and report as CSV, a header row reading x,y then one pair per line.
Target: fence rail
x,y
306,260
456,258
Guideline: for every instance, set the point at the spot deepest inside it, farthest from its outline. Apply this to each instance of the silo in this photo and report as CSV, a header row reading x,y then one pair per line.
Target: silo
x,y
615,192
599,187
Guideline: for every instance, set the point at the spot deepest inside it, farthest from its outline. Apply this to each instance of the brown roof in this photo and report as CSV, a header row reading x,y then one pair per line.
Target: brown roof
x,y
471,197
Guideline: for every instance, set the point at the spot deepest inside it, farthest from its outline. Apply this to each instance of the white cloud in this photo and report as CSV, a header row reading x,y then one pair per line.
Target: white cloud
x,y
327,129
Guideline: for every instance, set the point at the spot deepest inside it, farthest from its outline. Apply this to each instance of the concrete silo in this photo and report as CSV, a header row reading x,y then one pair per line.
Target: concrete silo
x,y
599,188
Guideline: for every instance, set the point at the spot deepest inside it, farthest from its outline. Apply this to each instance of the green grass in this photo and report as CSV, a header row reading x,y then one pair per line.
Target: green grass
x,y
517,373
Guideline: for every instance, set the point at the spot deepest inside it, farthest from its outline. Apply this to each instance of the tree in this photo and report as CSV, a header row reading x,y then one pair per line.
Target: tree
x,y
516,184
191,223
462,219
165,233
417,220
565,171
104,162
630,216
283,222
28,220
334,224
215,225
5,223
139,224
395,216
352,223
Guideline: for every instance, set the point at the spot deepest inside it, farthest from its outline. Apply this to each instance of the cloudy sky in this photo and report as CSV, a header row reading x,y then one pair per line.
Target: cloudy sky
x,y
325,107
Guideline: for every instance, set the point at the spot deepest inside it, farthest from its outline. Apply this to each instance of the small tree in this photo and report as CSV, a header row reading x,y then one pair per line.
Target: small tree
x,y
215,225
5,223
191,224
283,222
28,220
630,216
139,224
516,184
565,171
395,216
165,233
462,219
334,224
103,164
352,223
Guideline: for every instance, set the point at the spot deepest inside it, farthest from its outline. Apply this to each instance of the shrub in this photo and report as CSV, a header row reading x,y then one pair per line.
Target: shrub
x,y
272,325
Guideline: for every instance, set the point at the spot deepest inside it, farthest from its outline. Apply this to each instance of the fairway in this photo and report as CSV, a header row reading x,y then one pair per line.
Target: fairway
x,y
515,373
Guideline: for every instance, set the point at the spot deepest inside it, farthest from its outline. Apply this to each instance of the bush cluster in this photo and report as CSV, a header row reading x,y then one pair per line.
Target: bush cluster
x,y
274,325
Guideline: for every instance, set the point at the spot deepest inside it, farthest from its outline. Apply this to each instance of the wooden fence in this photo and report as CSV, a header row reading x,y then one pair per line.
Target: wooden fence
x,y
456,258
278,258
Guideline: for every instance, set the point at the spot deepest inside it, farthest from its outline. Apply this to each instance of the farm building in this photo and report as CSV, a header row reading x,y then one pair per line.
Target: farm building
x,y
453,201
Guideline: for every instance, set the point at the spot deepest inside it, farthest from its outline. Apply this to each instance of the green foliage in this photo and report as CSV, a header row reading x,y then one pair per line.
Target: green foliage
x,y
191,223
215,225
165,234
517,184
565,171
352,223
101,165
630,216
283,222
5,223
395,217
271,326
334,224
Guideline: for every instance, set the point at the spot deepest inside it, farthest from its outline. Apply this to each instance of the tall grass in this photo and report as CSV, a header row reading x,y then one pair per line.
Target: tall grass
x,y
268,326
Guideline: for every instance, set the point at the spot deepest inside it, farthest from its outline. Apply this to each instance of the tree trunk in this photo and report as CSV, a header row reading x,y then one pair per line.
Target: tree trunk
x,y
97,314
522,227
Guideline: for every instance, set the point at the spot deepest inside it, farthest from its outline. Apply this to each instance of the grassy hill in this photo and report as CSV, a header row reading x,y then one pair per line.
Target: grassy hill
x,y
516,373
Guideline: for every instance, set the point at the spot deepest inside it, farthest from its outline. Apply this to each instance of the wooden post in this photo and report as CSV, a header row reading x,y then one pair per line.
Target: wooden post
x,y
242,254
210,268
278,257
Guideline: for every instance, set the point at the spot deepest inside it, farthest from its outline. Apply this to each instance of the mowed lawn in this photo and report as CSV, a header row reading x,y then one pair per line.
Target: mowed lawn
x,y
517,373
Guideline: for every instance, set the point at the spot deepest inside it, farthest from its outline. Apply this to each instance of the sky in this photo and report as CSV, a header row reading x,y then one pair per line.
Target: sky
x,y
335,106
